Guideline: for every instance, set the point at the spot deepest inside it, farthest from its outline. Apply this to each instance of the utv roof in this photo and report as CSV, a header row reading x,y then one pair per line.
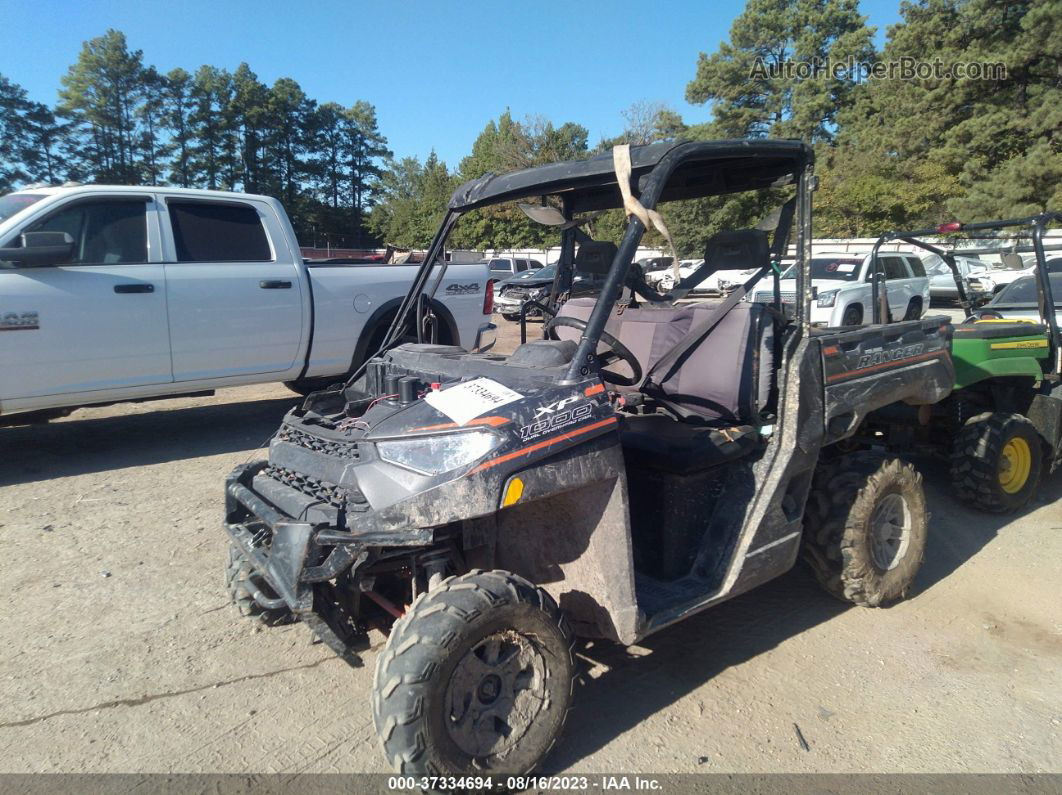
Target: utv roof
x,y
708,168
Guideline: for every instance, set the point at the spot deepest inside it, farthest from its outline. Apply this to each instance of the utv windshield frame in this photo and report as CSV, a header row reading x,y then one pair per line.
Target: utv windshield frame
x,y
661,172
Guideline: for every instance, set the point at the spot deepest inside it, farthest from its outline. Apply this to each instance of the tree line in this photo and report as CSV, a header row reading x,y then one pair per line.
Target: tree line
x,y
121,121
891,153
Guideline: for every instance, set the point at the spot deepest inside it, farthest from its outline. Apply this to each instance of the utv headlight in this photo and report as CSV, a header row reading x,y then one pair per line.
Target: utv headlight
x,y
828,298
433,455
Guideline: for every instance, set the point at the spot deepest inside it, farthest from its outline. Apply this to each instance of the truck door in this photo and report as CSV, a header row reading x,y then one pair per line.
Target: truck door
x,y
898,284
234,290
96,323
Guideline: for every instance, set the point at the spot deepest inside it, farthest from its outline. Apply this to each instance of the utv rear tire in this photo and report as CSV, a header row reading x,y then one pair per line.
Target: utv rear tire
x,y
997,462
476,679
239,576
865,528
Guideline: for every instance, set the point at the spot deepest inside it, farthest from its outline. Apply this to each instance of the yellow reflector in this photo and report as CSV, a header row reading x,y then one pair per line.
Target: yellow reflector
x,y
513,492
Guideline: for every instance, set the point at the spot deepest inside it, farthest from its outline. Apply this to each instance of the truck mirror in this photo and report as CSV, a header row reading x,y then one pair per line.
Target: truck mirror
x,y
40,249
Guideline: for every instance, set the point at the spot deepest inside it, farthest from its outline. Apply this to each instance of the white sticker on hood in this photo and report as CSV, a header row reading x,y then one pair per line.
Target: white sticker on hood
x,y
467,401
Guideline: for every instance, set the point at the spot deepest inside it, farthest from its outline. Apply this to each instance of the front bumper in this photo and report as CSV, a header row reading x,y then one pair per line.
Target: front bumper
x,y
291,555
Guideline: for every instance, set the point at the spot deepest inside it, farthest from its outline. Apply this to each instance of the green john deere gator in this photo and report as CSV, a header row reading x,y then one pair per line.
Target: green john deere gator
x,y
1001,427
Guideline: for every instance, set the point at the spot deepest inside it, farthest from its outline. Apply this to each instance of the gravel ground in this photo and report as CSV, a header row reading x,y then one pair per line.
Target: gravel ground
x,y
121,654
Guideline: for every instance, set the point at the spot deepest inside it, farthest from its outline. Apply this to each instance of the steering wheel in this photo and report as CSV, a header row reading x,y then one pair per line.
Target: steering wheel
x,y
983,314
617,352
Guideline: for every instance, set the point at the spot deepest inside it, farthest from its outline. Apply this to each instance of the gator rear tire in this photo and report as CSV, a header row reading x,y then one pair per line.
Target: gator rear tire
x,y
476,679
240,580
865,528
997,462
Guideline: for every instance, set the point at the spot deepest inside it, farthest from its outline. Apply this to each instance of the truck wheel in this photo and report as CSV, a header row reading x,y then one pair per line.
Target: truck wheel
x,y
865,528
914,309
996,462
853,316
510,316
240,582
476,679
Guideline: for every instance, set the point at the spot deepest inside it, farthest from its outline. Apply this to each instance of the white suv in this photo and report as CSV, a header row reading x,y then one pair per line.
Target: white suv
x,y
845,291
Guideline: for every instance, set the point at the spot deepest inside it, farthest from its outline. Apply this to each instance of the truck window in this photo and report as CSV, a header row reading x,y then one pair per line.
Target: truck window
x,y
105,233
521,265
894,268
917,268
500,268
216,232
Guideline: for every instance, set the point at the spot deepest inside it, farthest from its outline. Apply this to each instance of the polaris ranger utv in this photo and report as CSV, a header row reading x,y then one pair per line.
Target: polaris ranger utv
x,y
1001,427
647,460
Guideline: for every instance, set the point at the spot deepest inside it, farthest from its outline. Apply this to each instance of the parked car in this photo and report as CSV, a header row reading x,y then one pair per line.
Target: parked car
x,y
845,290
717,283
1018,300
523,287
502,268
128,293
1011,267
942,282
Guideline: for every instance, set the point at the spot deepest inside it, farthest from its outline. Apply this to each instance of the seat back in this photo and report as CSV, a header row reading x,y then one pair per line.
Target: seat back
x,y
648,332
727,376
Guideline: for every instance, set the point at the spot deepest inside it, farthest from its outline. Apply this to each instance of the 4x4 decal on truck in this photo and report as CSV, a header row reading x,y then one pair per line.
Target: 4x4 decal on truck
x,y
16,321
462,289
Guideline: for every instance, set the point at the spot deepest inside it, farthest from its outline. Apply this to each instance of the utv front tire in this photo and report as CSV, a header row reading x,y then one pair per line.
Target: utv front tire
x,y
476,679
996,462
241,581
865,528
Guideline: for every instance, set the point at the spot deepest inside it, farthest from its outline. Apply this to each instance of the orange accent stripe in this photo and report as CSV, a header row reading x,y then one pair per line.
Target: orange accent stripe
x,y
494,422
544,443
830,350
597,389
886,365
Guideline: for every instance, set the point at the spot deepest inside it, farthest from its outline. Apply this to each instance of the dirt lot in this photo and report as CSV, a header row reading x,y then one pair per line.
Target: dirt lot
x,y
120,653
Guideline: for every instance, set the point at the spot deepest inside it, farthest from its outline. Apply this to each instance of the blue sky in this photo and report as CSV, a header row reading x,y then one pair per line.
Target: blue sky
x,y
437,72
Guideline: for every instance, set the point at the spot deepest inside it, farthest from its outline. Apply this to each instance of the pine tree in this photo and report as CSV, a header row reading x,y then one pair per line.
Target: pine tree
x,y
101,95
176,111
750,98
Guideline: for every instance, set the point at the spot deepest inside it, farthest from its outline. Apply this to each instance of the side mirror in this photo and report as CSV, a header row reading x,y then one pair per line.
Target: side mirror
x,y
40,249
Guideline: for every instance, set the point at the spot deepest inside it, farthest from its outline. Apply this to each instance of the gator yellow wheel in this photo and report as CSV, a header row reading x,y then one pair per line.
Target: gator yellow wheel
x,y
997,461
1015,464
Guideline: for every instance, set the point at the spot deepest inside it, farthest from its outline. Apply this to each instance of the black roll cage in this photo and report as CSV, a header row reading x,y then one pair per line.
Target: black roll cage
x,y
586,185
1035,226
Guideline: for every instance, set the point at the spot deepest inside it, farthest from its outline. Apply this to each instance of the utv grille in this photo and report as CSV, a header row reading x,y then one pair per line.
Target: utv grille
x,y
316,443
321,491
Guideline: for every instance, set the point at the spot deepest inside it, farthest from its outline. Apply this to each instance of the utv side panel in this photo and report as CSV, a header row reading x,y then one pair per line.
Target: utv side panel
x,y
762,512
870,368
576,544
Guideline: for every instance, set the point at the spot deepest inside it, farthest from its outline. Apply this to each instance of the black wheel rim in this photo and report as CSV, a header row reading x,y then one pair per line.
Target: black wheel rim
x,y
496,691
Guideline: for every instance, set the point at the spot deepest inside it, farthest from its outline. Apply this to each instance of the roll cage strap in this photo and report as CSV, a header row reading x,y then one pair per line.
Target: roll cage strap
x,y
699,332
621,163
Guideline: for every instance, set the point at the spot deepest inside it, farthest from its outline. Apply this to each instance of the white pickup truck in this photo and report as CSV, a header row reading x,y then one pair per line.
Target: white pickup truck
x,y
113,293
844,288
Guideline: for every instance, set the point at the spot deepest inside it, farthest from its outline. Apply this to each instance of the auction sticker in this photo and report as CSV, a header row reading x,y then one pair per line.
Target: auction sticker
x,y
467,401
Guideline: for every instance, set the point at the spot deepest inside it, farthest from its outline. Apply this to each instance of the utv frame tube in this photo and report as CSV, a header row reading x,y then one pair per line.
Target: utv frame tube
x,y
654,184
